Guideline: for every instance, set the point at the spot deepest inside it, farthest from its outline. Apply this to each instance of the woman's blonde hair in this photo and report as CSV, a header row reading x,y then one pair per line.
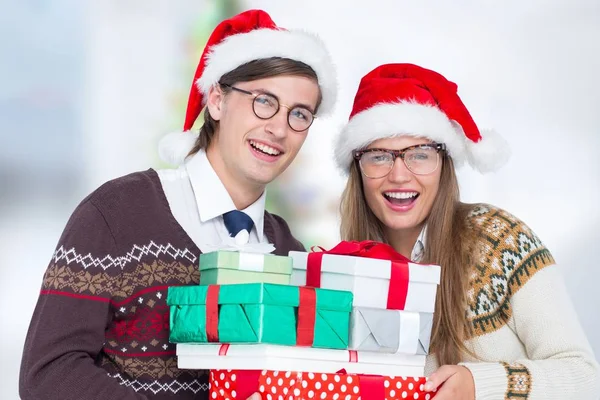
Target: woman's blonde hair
x,y
446,245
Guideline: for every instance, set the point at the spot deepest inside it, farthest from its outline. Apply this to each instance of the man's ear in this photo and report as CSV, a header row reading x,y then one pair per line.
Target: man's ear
x,y
215,101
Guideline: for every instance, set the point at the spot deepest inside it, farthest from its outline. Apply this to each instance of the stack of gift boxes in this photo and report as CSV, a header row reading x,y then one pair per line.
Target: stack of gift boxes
x,y
350,323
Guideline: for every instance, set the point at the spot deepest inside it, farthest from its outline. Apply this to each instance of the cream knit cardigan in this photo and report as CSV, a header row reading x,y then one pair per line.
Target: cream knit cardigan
x,y
528,340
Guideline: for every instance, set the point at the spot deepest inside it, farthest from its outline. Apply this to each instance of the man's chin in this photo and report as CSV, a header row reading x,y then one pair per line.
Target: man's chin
x,y
261,177
265,172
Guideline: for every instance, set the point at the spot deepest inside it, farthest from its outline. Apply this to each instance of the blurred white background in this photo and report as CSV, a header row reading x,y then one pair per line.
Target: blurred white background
x,y
88,88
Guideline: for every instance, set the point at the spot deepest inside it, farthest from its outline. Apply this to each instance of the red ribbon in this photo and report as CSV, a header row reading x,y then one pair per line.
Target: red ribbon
x,y
371,387
223,349
398,289
399,276
212,313
245,385
352,356
307,312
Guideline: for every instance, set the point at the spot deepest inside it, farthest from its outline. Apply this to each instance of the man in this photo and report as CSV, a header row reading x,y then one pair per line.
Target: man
x,y
100,328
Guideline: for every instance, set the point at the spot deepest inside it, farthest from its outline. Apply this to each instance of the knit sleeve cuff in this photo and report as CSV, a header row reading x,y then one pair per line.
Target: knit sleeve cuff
x,y
490,379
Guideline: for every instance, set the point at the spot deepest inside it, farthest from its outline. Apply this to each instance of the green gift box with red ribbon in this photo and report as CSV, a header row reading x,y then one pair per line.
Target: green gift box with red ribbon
x,y
260,313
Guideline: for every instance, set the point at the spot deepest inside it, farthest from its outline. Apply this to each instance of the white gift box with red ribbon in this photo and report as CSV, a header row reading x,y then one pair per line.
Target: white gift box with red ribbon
x,y
375,273
302,359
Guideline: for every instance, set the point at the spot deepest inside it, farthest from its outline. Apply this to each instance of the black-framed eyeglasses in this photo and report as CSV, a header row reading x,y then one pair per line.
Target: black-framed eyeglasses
x,y
421,159
266,106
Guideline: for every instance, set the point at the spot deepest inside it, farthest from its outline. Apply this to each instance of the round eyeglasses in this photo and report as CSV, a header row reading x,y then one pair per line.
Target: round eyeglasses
x,y
421,159
266,105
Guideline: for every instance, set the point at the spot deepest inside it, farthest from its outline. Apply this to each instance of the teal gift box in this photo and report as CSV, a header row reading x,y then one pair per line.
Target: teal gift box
x,y
260,313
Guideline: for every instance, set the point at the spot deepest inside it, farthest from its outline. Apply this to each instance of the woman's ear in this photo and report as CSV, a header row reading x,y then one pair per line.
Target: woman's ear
x,y
214,102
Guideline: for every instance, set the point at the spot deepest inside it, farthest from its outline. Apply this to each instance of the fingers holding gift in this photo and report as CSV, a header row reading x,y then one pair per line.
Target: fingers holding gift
x,y
452,382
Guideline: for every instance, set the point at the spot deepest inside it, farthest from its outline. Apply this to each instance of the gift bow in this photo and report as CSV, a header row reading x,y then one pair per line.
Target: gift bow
x,y
399,276
366,248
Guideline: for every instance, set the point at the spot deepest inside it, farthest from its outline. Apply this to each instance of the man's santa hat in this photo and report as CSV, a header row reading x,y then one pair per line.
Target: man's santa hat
x,y
251,35
407,100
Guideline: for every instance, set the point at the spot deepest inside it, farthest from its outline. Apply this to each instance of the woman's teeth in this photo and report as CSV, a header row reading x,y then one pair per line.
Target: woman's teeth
x,y
401,195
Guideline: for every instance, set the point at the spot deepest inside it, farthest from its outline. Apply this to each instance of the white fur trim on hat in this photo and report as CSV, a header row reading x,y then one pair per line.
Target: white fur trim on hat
x,y
174,147
301,46
490,153
386,120
398,119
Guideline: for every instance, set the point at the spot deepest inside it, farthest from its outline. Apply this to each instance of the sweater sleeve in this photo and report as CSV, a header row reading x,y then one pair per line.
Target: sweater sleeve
x,y
560,363
66,332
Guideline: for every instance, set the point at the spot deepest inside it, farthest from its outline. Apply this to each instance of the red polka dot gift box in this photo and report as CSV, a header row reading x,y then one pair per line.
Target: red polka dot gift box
x,y
377,275
275,385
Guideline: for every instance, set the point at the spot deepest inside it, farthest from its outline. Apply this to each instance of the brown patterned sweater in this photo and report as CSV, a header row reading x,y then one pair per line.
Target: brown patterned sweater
x,y
101,324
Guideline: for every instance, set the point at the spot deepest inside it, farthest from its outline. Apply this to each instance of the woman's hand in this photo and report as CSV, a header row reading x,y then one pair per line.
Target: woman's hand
x,y
255,396
453,382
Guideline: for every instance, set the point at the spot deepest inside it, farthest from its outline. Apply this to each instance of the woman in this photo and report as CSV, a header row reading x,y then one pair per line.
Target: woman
x,y
504,326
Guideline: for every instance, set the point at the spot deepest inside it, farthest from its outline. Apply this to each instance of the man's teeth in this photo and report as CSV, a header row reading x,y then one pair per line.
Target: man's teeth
x,y
401,195
265,149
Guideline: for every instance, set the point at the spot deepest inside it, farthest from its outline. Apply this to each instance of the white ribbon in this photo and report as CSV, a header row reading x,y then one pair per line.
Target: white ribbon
x,y
252,262
408,334
242,237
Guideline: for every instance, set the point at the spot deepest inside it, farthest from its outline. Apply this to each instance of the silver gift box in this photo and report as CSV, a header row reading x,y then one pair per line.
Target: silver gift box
x,y
390,331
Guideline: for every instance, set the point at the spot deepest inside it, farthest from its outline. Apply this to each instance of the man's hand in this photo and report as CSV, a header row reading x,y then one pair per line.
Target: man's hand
x,y
452,382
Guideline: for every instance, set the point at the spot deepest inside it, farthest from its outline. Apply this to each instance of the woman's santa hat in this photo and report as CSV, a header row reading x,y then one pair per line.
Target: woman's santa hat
x,y
407,100
251,35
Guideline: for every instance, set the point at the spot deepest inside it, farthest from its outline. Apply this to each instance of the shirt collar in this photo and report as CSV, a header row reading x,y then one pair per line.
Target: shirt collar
x,y
418,250
212,199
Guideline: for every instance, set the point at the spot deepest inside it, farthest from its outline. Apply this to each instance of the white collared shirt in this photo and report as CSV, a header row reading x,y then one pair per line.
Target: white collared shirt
x,y
198,200
418,250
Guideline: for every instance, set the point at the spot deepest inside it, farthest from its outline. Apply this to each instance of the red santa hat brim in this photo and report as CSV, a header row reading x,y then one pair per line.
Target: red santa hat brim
x,y
407,118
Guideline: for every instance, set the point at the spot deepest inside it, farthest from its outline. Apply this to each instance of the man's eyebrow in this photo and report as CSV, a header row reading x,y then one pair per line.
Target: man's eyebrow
x,y
309,108
265,91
